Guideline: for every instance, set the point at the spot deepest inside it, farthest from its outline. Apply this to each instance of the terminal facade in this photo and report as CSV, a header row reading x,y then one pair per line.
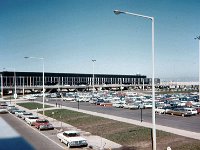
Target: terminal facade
x,y
70,79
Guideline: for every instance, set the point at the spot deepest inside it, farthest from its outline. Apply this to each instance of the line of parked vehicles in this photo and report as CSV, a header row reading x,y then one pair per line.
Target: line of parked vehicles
x,y
71,138
173,104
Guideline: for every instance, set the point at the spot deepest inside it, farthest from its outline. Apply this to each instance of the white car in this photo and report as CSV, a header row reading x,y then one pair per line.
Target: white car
x,y
3,110
163,110
68,98
31,119
25,115
130,106
192,110
118,104
10,107
19,113
147,105
72,139
30,97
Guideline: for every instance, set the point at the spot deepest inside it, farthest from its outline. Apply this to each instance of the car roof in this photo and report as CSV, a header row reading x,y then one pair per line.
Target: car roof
x,y
70,131
40,119
32,116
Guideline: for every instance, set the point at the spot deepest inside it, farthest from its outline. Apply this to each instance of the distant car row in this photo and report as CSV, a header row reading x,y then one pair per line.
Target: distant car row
x,y
70,138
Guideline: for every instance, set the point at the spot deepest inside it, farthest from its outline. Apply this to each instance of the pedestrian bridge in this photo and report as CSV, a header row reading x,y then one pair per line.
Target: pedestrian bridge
x,y
48,88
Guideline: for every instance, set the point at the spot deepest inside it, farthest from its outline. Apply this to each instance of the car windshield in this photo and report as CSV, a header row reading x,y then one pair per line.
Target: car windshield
x,y
27,114
21,111
42,121
71,134
33,117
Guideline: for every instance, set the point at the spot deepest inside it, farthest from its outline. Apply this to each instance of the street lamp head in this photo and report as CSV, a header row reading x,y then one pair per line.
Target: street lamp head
x,y
197,38
93,60
34,58
117,12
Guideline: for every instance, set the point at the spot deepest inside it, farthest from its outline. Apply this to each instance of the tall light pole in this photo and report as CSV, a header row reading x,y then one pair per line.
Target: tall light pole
x,y
15,91
198,38
117,12
40,58
2,85
93,61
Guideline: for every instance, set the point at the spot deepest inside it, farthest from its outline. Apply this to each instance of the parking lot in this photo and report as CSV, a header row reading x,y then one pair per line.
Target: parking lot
x,y
184,122
179,122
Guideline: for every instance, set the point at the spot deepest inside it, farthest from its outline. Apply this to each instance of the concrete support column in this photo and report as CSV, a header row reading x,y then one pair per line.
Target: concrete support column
x,y
23,87
30,81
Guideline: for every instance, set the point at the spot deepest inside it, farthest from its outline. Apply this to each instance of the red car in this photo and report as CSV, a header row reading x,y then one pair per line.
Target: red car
x,y
43,124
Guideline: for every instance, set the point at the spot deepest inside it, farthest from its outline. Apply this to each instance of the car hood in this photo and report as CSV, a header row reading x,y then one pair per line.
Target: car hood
x,y
72,139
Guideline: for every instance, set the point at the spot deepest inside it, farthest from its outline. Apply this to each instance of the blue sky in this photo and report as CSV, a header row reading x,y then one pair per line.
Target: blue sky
x,y
70,33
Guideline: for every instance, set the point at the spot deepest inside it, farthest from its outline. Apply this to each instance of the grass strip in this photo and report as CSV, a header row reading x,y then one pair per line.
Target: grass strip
x,y
33,105
123,133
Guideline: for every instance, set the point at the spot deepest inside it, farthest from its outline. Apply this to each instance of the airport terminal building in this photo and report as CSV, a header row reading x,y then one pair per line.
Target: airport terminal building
x,y
70,79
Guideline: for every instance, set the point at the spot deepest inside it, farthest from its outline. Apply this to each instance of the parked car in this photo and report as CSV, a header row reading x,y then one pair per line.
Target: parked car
x,y
19,112
191,109
163,110
4,104
10,107
25,115
13,110
68,98
31,119
99,101
3,110
72,139
93,100
118,104
147,105
43,124
179,112
130,106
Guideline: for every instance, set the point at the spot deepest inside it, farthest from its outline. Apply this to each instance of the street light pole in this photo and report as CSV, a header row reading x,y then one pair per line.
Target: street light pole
x,y
117,12
2,86
15,95
43,96
198,38
93,77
